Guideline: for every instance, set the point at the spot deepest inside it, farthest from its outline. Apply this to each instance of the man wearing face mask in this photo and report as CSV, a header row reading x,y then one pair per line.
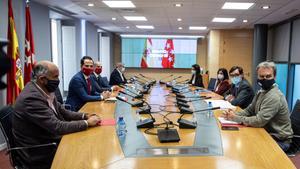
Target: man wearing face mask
x,y
241,93
82,87
269,108
100,83
117,76
40,119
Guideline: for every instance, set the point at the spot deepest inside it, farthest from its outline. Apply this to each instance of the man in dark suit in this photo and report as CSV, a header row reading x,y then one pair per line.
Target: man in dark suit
x,y
96,76
241,93
117,76
40,119
82,88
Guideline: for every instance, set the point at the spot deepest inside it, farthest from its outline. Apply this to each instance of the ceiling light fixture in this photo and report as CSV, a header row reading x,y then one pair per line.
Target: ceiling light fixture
x,y
265,7
145,26
197,28
178,5
91,4
162,36
119,4
113,19
226,20
135,18
180,28
127,27
245,20
179,19
237,5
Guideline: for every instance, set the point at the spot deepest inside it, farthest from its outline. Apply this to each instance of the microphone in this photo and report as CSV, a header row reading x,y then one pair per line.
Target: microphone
x,y
184,81
191,100
138,103
178,90
162,82
149,78
147,123
136,95
185,110
168,84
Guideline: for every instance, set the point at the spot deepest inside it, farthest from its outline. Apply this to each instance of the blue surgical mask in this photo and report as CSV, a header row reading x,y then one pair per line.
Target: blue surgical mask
x,y
235,80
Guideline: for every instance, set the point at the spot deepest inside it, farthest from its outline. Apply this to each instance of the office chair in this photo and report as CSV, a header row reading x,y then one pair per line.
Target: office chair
x,y
295,120
6,114
211,84
105,80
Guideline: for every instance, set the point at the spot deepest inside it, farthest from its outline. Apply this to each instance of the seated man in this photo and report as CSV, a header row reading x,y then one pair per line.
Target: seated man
x,y
268,109
96,76
241,93
82,87
40,119
117,77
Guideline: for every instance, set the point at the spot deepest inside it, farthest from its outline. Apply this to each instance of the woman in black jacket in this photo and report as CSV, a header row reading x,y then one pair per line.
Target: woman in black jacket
x,y
196,79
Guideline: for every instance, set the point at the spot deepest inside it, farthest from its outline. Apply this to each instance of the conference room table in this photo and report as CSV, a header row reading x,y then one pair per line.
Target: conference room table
x,y
99,147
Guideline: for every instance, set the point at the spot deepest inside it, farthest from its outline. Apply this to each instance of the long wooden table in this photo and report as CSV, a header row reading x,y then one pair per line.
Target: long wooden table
x,y
99,147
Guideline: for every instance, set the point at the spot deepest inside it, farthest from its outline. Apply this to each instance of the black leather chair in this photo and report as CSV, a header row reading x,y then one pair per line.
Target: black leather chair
x,y
295,120
6,114
211,84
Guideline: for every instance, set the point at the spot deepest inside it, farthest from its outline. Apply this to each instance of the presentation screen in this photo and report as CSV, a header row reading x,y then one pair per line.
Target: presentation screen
x,y
158,52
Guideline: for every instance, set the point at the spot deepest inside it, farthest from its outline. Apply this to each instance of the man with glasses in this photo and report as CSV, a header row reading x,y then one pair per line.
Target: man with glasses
x,y
117,75
268,109
241,92
82,87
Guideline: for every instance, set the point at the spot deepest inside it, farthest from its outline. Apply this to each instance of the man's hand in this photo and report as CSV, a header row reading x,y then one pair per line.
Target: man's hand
x,y
230,98
88,115
106,94
228,114
93,121
115,88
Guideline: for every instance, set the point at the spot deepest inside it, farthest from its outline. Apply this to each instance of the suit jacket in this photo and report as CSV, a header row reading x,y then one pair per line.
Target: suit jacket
x,y
243,94
100,84
198,80
78,92
34,122
222,87
115,78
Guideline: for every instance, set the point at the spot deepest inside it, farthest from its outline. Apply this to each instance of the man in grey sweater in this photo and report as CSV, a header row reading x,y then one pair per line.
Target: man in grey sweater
x,y
268,109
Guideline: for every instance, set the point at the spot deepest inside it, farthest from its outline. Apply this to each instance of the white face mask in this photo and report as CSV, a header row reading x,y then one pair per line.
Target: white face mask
x,y
220,77
193,72
123,69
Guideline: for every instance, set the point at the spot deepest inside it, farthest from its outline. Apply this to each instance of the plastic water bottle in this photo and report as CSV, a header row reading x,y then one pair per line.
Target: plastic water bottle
x,y
173,82
210,112
121,127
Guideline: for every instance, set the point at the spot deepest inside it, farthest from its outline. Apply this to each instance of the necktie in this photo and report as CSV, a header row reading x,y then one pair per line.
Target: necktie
x,y
88,85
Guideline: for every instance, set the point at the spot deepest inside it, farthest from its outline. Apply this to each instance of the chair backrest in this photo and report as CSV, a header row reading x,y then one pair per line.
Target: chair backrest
x,y
105,80
211,84
295,118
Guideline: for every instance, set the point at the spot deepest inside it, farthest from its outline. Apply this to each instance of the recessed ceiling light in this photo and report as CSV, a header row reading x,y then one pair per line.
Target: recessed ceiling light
x,y
90,4
178,5
265,7
197,28
180,28
245,20
135,18
237,5
228,20
145,26
127,27
119,4
179,19
113,19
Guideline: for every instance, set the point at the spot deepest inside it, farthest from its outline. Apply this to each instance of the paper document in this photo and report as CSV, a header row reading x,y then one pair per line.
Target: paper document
x,y
221,103
111,99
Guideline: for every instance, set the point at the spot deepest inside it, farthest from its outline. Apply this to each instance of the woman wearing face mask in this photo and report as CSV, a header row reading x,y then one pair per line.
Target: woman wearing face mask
x,y
222,82
196,79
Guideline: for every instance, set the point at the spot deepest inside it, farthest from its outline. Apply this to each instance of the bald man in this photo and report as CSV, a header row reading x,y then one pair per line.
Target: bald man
x,y
40,119
117,75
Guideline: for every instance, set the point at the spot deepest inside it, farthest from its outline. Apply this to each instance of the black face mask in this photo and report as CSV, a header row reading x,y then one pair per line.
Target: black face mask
x,y
52,85
265,83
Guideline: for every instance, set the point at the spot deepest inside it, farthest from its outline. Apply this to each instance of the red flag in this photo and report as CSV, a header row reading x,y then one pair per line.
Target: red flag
x,y
29,48
14,76
168,61
147,51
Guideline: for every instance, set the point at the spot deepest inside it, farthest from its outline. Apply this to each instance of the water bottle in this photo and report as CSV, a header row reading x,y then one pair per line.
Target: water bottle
x,y
210,112
173,82
121,127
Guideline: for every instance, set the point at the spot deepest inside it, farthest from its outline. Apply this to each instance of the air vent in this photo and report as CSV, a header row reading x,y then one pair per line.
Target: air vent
x,y
87,13
127,10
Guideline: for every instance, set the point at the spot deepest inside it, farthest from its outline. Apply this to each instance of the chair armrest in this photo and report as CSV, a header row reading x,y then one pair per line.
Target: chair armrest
x,y
29,147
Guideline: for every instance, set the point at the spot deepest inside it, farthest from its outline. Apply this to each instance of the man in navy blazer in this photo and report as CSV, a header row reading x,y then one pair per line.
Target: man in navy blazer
x,y
100,83
117,77
82,88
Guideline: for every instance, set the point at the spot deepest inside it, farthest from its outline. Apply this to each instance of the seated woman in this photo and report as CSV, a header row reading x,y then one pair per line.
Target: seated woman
x,y
222,84
196,79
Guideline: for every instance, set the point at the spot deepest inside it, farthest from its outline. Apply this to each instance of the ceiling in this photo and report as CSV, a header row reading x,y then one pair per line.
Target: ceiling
x,y
162,14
